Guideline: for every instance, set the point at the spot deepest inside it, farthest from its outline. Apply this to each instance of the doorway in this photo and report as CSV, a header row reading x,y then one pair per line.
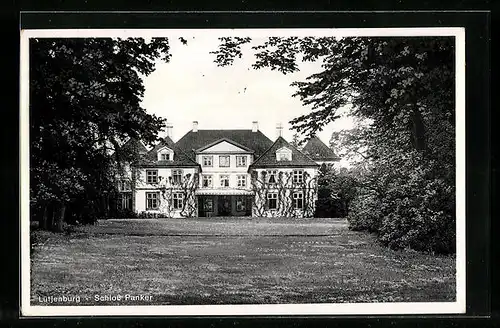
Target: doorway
x,y
224,205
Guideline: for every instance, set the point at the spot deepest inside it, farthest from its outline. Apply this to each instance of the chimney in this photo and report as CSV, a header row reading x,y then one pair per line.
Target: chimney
x,y
255,126
195,126
169,128
279,130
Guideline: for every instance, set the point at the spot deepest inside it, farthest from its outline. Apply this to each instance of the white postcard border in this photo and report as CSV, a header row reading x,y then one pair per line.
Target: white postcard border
x,y
245,310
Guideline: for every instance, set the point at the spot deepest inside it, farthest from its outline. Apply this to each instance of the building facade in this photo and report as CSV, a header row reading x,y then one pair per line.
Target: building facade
x,y
224,173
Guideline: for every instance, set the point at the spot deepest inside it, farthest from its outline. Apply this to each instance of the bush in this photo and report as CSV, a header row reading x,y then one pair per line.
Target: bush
x,y
123,214
120,214
328,207
152,215
424,221
412,208
365,213
336,189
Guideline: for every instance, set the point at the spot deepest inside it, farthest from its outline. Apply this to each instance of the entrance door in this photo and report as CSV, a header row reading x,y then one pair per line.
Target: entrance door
x,y
205,206
224,206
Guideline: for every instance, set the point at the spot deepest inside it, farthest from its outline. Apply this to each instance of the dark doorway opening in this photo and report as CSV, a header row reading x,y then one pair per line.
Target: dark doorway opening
x,y
225,205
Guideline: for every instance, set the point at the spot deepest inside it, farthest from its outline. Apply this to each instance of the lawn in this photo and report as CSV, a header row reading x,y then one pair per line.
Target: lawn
x,y
231,261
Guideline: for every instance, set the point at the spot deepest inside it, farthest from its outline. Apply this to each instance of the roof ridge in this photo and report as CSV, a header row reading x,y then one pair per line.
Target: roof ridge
x,y
300,151
256,142
234,143
267,150
317,149
131,141
177,150
286,144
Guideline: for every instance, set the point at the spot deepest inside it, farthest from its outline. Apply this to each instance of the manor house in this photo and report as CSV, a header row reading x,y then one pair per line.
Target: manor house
x,y
224,173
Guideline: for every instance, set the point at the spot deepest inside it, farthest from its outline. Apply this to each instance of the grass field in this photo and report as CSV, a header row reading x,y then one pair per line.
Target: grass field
x,y
231,261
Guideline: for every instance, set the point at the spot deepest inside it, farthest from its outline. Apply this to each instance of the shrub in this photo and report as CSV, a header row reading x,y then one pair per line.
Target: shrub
x,y
336,189
413,207
424,220
152,215
365,213
123,214
327,206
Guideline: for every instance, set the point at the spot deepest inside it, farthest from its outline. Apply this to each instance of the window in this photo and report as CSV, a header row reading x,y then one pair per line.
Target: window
x,y
124,201
272,201
165,154
178,200
298,176
124,185
207,160
152,176
298,200
272,177
240,204
207,181
224,180
152,200
283,154
176,176
208,205
224,161
242,180
241,161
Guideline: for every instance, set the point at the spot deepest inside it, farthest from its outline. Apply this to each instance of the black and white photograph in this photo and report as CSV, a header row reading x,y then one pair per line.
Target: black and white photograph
x,y
243,171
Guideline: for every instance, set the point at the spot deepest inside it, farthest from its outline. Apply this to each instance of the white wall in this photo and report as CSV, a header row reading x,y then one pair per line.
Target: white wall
x,y
233,171
163,174
142,187
140,206
312,174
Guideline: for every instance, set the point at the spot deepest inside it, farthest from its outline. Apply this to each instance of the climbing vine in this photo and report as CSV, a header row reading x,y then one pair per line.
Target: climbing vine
x,y
284,187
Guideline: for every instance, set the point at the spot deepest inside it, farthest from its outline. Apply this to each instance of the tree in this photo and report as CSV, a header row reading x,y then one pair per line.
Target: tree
x,y
296,141
326,205
403,88
84,102
337,189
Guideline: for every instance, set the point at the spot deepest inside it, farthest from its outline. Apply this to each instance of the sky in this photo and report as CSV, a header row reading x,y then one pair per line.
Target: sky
x,y
191,87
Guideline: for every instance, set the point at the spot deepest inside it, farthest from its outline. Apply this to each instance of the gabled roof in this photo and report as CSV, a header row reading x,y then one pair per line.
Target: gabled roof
x,y
255,141
234,143
318,151
181,159
165,142
134,145
268,158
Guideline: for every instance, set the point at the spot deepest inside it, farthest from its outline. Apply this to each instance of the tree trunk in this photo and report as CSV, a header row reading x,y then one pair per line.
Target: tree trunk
x,y
51,217
418,131
60,217
106,205
42,222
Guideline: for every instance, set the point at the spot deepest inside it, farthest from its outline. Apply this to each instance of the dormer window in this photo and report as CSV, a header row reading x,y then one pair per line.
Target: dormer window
x,y
165,154
284,154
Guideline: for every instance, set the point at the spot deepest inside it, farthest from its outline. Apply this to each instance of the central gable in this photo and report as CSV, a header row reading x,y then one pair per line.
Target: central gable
x,y
224,146
255,141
